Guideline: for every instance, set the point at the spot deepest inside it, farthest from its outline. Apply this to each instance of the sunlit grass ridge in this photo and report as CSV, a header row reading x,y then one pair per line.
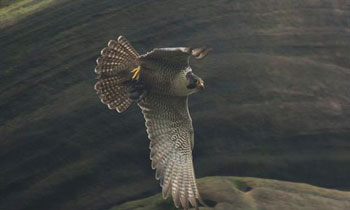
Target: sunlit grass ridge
x,y
14,11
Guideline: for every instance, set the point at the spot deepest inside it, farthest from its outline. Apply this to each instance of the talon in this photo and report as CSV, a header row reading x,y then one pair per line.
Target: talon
x,y
136,72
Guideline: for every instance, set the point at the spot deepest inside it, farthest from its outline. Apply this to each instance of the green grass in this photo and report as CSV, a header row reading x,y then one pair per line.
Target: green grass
x,y
13,11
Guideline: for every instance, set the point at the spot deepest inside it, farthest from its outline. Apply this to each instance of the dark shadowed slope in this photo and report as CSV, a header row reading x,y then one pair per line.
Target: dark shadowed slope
x,y
276,104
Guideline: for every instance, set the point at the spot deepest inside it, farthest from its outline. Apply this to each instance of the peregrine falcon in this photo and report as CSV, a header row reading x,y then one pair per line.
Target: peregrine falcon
x,y
160,82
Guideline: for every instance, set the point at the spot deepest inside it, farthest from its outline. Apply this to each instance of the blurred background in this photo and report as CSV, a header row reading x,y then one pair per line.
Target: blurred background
x,y
276,103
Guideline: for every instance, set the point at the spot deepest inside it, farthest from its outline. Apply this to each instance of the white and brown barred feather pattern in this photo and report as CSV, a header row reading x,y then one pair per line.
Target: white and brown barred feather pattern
x,y
169,127
113,69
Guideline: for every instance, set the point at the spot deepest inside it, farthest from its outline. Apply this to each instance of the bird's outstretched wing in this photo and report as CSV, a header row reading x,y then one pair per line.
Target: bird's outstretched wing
x,y
169,127
175,55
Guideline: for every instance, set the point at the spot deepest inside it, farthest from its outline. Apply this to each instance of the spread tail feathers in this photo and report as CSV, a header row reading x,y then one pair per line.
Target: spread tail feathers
x,y
114,68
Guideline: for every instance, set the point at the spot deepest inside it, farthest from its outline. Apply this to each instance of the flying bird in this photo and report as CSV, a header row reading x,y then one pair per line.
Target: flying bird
x,y
160,82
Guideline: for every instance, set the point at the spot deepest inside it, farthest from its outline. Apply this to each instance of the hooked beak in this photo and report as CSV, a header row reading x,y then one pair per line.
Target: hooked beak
x,y
200,84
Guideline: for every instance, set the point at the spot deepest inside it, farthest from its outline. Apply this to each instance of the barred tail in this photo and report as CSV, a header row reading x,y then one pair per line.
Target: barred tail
x,y
114,68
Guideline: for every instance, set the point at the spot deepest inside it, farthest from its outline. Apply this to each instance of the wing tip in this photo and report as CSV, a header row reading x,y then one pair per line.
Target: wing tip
x,y
201,52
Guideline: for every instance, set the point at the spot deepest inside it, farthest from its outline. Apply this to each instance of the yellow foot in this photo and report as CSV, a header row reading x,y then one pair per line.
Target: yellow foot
x,y
136,72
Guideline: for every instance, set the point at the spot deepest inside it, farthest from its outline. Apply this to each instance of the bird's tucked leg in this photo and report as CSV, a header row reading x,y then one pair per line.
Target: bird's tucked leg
x,y
136,73
137,90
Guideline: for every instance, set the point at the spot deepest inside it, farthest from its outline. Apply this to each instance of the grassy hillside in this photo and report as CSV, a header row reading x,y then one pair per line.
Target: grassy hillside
x,y
276,103
238,193
12,11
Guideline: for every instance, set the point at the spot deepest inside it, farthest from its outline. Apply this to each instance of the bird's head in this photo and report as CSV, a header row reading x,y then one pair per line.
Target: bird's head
x,y
194,82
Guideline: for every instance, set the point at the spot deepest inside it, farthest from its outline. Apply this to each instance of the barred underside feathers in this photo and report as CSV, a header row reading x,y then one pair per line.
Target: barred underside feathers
x,y
169,128
113,69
